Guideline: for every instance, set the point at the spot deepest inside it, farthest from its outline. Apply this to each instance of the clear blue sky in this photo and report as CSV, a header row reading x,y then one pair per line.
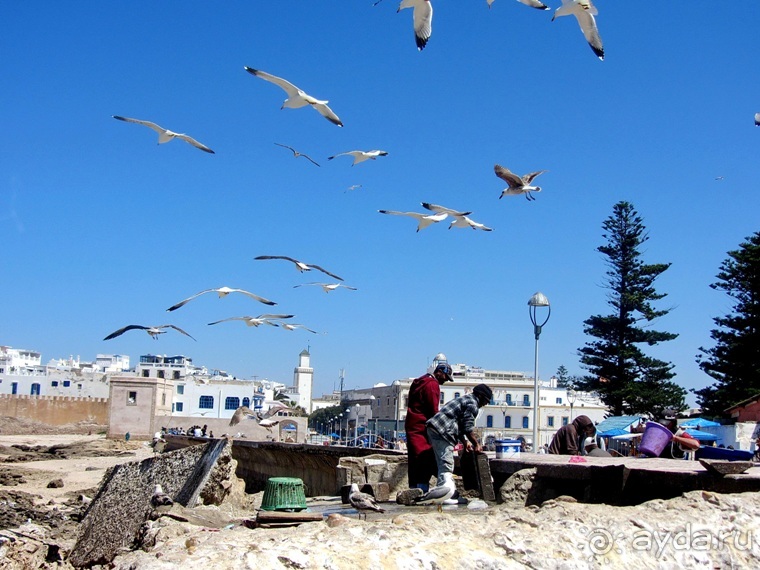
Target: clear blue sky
x,y
101,227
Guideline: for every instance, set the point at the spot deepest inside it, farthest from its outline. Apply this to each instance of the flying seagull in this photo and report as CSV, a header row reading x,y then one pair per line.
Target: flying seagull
x,y
296,153
361,155
423,20
531,3
363,502
437,495
294,326
244,412
354,187
265,319
757,119
517,184
296,97
465,222
152,331
584,11
300,265
327,286
165,135
223,292
424,220
443,209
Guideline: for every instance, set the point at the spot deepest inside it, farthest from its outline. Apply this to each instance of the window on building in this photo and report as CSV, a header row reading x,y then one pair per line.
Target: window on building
x,y
35,389
526,400
206,403
246,402
146,373
489,421
175,376
131,398
181,389
54,383
559,400
163,398
14,387
66,383
508,422
565,419
231,403
179,407
509,399
160,374
550,421
525,422
456,395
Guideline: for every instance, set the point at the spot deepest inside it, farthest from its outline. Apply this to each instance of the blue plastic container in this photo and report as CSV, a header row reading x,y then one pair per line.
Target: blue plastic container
x,y
722,453
506,448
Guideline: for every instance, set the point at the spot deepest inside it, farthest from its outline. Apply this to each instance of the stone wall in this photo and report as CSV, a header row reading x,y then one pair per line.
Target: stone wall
x,y
55,410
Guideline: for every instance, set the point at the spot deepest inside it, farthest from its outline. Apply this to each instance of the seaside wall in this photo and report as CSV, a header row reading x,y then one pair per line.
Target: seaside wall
x,y
55,410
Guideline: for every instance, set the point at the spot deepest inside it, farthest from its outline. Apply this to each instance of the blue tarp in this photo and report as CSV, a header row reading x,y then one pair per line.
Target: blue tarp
x,y
701,435
612,432
698,423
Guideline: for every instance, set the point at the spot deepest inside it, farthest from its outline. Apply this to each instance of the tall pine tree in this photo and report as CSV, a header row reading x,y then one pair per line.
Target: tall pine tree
x,y
734,361
627,380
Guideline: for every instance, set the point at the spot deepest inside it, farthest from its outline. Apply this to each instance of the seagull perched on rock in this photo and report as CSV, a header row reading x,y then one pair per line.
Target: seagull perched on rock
x,y
465,222
296,97
327,287
517,184
363,502
300,265
584,11
265,319
422,18
424,220
152,331
297,154
165,135
361,155
223,292
437,495
159,498
443,209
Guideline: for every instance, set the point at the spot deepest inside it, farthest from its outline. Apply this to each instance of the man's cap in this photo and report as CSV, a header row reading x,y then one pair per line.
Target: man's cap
x,y
483,391
589,441
446,370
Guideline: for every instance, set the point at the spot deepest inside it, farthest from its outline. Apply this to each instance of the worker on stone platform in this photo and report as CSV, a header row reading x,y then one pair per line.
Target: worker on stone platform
x,y
567,440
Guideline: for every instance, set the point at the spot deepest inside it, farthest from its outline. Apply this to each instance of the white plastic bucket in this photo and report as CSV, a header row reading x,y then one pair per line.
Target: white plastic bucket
x,y
506,448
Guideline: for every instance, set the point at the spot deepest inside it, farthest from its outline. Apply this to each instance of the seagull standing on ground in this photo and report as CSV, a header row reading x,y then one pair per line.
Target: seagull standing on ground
x,y
223,292
327,287
517,184
584,11
296,153
424,220
300,265
363,502
159,498
296,97
423,20
437,495
165,135
361,155
265,319
152,331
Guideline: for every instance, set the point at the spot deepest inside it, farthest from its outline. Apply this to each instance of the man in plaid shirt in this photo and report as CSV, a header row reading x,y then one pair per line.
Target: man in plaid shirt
x,y
455,422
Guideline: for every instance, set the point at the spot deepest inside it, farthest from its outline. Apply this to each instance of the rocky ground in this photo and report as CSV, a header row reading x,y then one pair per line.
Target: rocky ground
x,y
38,526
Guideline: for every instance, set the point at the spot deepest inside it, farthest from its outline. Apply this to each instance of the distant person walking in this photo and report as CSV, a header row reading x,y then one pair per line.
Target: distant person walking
x,y
567,440
424,398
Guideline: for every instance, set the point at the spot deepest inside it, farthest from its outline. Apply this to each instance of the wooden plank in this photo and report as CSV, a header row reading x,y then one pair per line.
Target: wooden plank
x,y
286,516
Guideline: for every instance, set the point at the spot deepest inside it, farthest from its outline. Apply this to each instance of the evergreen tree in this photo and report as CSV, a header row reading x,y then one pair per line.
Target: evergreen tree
x,y
734,361
565,380
627,380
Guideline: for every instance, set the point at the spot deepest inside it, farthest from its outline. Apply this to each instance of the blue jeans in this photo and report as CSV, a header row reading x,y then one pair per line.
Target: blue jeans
x,y
444,453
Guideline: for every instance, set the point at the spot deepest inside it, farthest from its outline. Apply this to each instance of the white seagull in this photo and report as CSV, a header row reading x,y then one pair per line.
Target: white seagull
x,y
443,209
437,495
757,119
296,97
465,222
531,3
424,220
165,135
159,498
328,286
152,331
297,154
423,20
265,319
300,265
294,326
361,155
584,11
223,292
517,184
244,412
363,502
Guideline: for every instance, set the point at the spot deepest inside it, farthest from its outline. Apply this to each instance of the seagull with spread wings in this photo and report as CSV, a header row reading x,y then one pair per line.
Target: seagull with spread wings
x,y
423,220
244,412
584,11
327,286
531,3
296,97
360,155
465,222
300,265
265,319
422,17
443,209
152,331
517,184
297,154
165,135
223,292
294,326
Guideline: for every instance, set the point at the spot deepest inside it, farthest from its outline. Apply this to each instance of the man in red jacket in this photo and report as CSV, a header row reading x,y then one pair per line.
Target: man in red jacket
x,y
424,398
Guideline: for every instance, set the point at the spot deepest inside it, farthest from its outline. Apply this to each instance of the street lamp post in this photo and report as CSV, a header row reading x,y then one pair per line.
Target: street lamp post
x,y
571,396
537,301
504,414
348,429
